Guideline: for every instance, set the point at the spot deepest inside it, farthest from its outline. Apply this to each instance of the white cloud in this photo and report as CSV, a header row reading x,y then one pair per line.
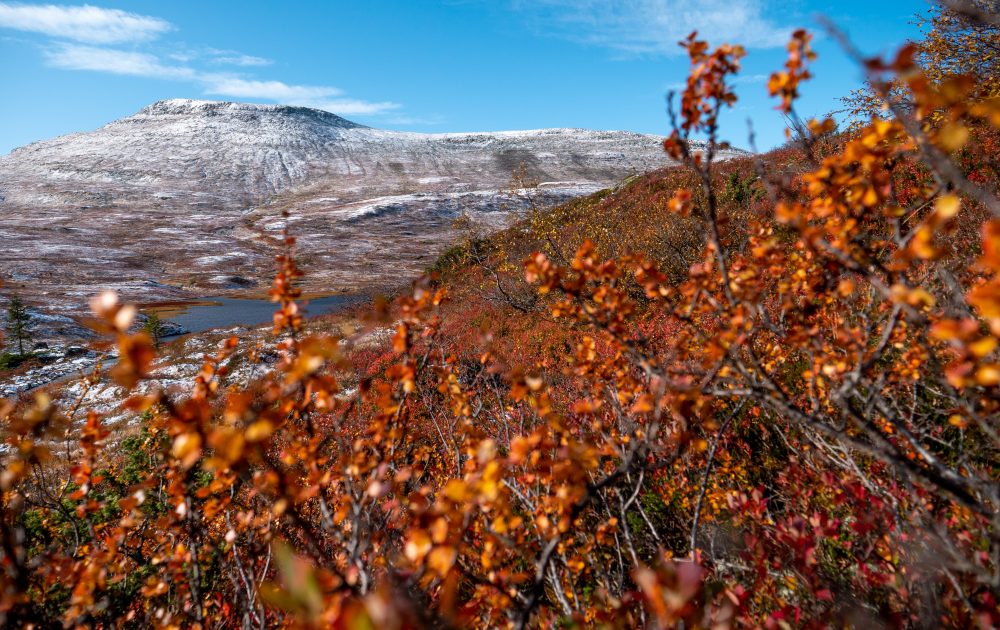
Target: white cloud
x,y
232,58
403,119
322,97
271,90
131,63
655,26
351,107
218,57
77,57
93,25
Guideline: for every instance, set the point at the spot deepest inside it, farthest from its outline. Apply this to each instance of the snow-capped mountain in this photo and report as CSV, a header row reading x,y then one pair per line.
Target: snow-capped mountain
x,y
185,197
252,152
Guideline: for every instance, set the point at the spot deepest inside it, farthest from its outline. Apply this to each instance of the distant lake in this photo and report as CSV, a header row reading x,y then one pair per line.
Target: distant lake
x,y
225,312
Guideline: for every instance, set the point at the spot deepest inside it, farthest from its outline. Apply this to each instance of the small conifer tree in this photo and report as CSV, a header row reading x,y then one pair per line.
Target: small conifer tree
x,y
155,328
18,323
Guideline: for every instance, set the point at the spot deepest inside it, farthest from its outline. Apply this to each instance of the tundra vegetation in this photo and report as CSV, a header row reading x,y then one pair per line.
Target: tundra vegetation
x,y
755,393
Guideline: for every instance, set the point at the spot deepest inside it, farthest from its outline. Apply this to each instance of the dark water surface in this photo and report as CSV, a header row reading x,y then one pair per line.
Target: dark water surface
x,y
223,312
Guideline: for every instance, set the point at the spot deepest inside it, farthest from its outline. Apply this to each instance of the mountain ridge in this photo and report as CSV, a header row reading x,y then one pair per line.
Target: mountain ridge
x,y
184,198
187,106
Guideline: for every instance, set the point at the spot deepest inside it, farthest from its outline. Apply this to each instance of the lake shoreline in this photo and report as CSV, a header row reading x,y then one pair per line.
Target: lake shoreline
x,y
66,367
210,313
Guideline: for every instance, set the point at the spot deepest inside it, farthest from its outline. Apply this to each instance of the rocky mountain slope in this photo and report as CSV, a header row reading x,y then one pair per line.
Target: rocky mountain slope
x,y
185,198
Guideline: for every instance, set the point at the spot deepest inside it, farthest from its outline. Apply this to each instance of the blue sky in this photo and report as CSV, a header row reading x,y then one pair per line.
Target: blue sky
x,y
419,65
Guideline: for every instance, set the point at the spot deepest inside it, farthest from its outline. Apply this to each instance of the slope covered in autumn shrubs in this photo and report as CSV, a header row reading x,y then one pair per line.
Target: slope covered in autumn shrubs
x,y
758,393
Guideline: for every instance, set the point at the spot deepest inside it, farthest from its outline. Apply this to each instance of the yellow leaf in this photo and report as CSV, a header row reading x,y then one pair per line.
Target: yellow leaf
x,y
947,206
983,347
988,375
187,448
259,430
439,530
870,197
486,451
417,545
441,560
228,444
953,136
922,244
456,490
